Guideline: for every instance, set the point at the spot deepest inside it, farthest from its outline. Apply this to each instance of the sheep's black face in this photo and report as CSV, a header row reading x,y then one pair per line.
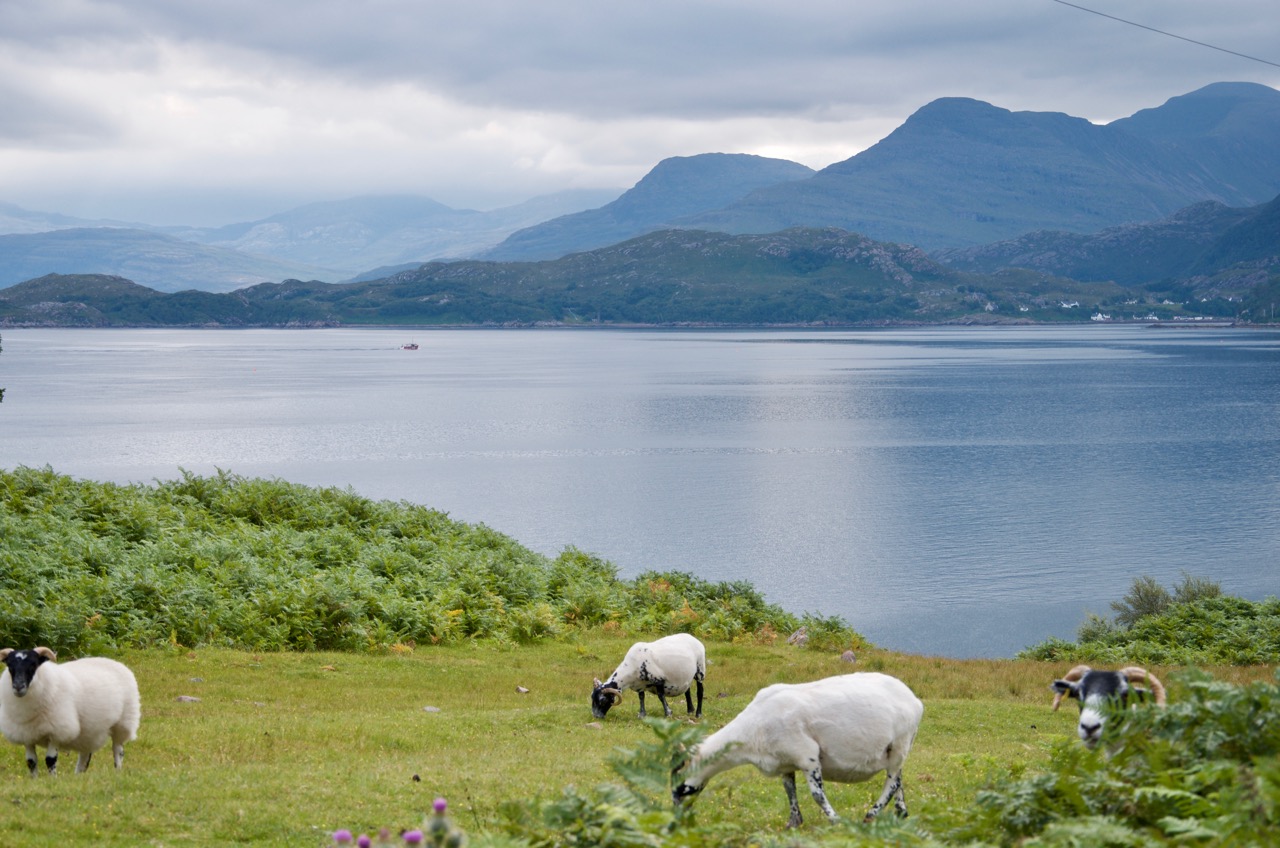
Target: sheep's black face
x,y
1095,692
22,667
602,700
684,791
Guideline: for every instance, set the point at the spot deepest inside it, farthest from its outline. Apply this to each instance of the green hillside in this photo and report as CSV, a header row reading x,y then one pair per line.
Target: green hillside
x,y
799,277
1199,263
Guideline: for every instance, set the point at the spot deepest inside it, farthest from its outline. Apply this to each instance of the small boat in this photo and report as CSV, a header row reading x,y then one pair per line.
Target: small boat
x,y
409,346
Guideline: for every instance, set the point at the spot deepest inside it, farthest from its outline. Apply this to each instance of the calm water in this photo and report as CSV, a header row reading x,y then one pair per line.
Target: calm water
x,y
960,492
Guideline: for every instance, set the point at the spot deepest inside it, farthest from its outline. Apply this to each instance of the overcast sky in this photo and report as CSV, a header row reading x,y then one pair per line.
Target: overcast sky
x,y
215,111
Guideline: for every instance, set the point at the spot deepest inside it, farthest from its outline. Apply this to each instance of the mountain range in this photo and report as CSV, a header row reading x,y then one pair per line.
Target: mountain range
x,y
958,175
961,172
1208,260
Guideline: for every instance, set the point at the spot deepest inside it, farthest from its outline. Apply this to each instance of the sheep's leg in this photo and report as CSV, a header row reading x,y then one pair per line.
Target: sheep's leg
x,y
814,776
789,784
892,787
900,801
688,700
51,759
662,696
82,764
699,713
31,761
117,753
642,712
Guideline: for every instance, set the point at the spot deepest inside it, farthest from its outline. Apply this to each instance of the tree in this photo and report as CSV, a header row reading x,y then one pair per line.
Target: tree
x,y
1145,597
1148,597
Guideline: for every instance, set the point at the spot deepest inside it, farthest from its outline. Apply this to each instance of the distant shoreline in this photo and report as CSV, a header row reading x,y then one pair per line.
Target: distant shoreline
x,y
554,325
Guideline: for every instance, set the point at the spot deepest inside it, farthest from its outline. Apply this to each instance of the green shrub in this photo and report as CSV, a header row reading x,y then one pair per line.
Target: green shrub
x,y
1203,769
270,565
1195,624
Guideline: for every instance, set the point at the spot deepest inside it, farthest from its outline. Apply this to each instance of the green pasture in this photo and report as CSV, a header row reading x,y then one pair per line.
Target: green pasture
x,y
285,748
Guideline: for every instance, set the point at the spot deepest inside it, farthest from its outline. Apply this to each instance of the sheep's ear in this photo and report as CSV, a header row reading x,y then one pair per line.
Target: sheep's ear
x,y
1063,688
47,653
598,683
4,652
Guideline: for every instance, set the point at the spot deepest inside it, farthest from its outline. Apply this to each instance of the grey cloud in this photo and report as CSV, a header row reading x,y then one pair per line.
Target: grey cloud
x,y
31,118
516,97
663,57
683,59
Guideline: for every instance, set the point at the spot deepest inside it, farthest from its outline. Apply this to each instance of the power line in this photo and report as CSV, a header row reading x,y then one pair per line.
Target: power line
x,y
1169,34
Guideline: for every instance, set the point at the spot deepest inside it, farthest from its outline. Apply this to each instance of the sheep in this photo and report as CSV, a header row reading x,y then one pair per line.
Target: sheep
x,y
845,728
1093,688
76,705
667,666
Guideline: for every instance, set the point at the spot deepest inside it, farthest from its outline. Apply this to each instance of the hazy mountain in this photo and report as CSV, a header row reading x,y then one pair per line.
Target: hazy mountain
x,y
330,241
360,233
157,261
16,220
962,172
676,188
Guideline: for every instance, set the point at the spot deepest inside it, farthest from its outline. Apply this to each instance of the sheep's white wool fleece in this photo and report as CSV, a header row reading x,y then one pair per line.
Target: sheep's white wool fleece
x,y
74,705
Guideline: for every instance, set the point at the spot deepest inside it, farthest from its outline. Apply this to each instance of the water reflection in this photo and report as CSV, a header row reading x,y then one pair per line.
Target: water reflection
x,y
956,491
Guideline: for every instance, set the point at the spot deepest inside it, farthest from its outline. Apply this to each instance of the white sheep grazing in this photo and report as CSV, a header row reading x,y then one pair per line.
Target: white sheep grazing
x,y
667,666
845,728
76,705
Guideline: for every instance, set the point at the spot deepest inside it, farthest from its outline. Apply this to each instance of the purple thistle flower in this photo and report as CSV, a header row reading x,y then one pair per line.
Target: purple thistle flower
x,y
440,806
412,837
342,837
364,841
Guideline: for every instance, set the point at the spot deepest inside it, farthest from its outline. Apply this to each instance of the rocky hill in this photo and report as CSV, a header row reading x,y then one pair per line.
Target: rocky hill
x,y
1215,250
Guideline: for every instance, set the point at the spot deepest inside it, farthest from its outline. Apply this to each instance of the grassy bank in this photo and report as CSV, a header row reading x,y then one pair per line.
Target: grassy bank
x,y
311,660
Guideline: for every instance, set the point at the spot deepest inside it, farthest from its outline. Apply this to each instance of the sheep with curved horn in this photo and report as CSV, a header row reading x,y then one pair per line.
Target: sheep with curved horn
x,y
1092,688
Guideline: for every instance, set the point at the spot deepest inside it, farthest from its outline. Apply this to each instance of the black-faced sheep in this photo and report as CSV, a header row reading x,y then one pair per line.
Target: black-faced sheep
x,y
846,729
1095,688
667,666
77,705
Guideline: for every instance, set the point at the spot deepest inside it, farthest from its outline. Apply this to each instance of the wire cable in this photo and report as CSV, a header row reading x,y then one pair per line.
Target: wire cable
x,y
1169,34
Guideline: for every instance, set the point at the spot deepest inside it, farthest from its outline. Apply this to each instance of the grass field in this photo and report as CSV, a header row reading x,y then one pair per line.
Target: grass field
x,y
285,748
